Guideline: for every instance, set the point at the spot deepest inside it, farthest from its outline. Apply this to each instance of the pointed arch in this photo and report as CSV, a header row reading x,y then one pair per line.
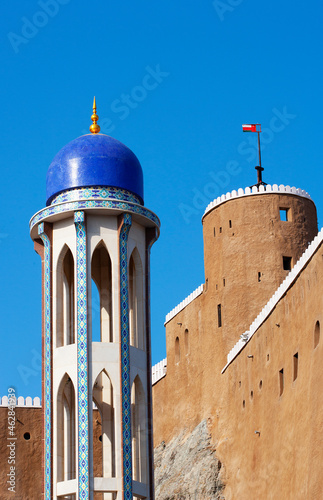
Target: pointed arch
x,y
66,444
103,397
97,441
65,298
101,273
136,301
139,431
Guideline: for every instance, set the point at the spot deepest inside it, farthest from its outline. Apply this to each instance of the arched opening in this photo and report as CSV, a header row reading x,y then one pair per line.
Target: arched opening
x,y
96,312
65,329
97,442
177,350
138,424
104,435
66,468
102,299
136,326
317,333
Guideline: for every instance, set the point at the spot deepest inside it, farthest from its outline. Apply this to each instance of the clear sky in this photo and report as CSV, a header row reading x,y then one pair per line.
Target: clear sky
x,y
213,66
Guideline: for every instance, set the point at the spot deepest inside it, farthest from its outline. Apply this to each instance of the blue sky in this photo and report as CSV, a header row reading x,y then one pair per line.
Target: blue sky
x,y
217,64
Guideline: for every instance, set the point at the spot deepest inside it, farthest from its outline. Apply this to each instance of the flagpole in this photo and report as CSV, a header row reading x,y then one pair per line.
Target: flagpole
x,y
256,127
259,168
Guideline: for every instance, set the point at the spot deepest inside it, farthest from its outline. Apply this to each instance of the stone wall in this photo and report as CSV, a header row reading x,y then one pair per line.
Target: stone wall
x,y
27,454
28,451
264,412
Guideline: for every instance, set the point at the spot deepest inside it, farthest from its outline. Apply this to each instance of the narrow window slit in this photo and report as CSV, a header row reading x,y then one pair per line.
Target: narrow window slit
x,y
177,351
281,381
317,334
219,316
295,366
284,214
287,263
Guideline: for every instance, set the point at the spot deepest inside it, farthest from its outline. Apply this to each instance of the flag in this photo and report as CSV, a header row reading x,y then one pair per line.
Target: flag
x,y
249,128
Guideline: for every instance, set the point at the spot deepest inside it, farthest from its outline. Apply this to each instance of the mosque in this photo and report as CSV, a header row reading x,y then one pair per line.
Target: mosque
x,y
236,409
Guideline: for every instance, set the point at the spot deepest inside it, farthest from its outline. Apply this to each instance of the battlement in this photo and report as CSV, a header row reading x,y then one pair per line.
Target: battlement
x,y
281,189
27,402
184,303
159,370
272,303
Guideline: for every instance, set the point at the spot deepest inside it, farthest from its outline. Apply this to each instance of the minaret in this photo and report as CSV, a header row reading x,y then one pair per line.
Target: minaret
x,y
94,238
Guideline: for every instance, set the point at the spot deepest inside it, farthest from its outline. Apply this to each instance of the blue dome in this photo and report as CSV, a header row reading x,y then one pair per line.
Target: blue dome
x,y
94,160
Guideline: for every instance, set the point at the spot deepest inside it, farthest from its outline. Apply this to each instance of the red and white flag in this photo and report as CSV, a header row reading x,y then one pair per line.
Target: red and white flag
x,y
249,128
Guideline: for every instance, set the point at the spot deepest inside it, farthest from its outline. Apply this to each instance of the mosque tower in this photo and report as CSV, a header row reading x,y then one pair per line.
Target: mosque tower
x,y
96,234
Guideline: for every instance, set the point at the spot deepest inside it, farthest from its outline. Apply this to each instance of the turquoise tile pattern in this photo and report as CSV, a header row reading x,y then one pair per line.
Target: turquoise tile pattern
x,y
48,368
125,358
82,358
71,206
97,192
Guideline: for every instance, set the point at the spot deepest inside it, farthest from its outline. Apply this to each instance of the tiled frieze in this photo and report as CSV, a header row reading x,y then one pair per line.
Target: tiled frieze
x,y
96,193
92,203
82,358
125,358
47,371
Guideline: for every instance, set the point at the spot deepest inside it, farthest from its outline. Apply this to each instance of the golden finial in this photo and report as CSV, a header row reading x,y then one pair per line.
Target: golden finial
x,y
95,128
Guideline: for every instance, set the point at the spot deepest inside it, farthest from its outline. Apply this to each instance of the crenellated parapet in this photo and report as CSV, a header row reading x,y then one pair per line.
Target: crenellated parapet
x,y
27,402
184,303
281,189
159,371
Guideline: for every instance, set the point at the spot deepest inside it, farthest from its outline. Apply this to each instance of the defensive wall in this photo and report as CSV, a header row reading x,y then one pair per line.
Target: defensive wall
x,y
255,381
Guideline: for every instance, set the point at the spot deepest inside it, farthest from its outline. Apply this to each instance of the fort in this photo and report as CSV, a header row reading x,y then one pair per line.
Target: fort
x,y
244,352
237,403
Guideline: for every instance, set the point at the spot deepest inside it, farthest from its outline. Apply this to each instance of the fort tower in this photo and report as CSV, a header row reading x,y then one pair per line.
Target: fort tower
x,y
252,239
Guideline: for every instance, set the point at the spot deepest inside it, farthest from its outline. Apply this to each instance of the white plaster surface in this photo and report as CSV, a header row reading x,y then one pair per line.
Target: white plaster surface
x,y
66,487
159,371
27,402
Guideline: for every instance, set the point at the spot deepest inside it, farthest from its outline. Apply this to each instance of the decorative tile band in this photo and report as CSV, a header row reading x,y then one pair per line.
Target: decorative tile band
x,y
82,358
48,376
125,358
151,237
95,193
86,204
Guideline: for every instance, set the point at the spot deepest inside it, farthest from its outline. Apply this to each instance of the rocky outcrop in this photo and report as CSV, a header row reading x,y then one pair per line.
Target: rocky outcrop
x,y
187,468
